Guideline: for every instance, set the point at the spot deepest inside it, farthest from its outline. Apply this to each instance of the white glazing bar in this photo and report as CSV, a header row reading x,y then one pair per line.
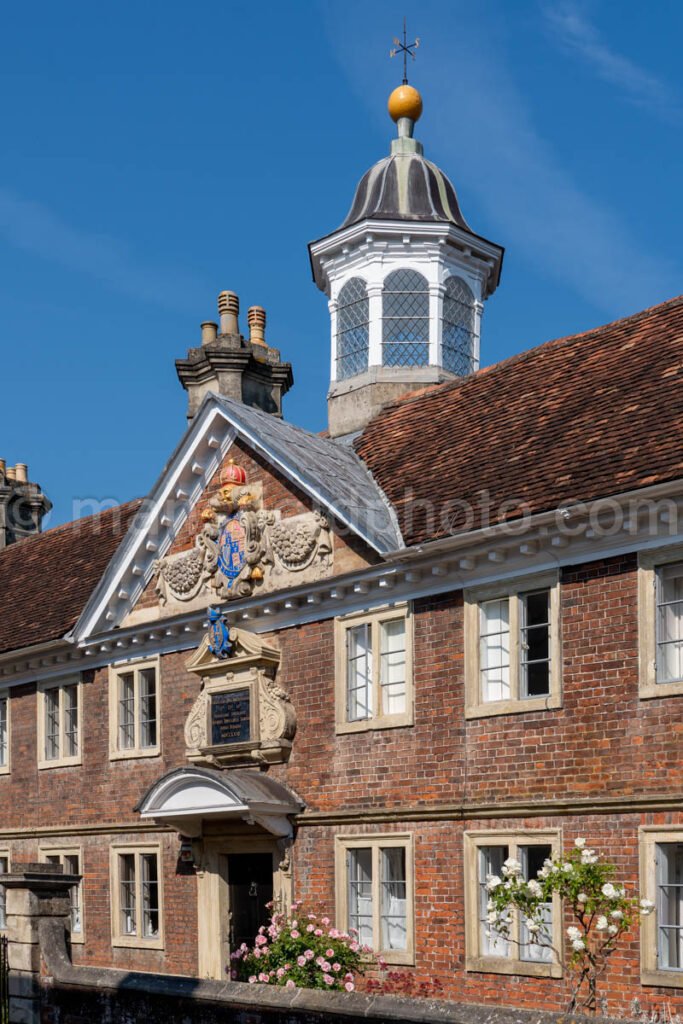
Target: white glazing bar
x,y
375,331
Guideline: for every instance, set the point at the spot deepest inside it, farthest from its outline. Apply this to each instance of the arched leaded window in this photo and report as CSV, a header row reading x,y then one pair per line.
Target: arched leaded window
x,y
457,342
405,319
352,329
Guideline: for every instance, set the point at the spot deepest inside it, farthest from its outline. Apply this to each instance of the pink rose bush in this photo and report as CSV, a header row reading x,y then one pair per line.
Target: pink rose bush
x,y
316,956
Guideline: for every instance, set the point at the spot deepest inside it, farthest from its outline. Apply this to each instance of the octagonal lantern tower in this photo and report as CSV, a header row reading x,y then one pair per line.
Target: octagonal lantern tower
x,y
406,278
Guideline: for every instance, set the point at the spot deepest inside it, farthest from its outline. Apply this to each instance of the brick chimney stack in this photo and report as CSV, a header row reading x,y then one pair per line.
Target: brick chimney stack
x,y
22,504
248,370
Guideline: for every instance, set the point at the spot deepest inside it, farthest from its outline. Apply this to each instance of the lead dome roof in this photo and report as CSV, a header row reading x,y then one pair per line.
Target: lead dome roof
x,y
405,186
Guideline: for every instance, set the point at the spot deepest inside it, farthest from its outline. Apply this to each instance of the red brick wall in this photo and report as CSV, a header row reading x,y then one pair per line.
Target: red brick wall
x,y
604,741
99,793
439,906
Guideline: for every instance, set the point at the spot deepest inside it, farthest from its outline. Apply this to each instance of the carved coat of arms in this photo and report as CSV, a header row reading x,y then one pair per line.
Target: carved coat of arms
x,y
241,546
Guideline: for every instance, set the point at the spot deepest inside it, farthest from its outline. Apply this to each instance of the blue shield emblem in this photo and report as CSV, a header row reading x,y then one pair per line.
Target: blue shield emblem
x,y
218,634
231,549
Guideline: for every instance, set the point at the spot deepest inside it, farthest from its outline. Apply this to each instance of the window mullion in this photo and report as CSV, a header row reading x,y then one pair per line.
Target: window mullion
x,y
658,596
62,722
376,898
376,669
515,951
137,730
139,913
515,645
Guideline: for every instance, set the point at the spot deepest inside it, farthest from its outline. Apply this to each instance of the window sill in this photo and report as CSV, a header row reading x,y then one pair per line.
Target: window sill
x,y
503,965
368,724
650,690
61,762
514,707
78,939
4,769
133,942
126,755
663,979
394,958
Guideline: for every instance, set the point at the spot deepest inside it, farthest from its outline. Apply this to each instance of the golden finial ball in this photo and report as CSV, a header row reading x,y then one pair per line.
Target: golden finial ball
x,y
405,101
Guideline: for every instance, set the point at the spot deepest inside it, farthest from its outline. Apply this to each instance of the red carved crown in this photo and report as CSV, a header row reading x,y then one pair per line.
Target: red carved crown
x,y
233,474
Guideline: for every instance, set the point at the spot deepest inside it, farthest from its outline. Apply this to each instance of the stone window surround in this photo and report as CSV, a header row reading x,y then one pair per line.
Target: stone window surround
x,y
512,838
475,707
115,671
62,761
648,838
377,841
648,562
6,767
4,855
372,616
137,941
61,852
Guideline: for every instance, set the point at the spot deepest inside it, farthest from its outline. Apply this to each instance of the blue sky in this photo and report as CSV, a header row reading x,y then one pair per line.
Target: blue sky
x,y
156,153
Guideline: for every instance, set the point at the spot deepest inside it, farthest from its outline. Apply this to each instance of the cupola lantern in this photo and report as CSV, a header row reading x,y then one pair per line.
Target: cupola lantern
x,y
406,279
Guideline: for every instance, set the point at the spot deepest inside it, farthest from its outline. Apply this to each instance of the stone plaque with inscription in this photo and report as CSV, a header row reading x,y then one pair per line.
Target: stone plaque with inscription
x,y
230,717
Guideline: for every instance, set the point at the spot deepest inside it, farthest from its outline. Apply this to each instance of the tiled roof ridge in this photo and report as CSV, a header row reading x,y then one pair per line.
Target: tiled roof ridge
x,y
553,343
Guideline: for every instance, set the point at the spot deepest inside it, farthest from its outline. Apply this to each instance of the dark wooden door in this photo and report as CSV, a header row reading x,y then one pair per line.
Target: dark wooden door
x,y
250,881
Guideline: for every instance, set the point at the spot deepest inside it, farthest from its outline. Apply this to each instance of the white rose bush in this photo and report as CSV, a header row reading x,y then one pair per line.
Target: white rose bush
x,y
600,908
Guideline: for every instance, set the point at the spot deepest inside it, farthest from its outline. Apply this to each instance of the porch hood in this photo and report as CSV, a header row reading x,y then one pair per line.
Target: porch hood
x,y
186,797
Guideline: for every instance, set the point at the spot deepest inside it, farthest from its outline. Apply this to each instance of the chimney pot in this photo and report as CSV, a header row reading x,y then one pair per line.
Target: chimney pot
x,y
209,332
11,473
256,317
229,308
21,471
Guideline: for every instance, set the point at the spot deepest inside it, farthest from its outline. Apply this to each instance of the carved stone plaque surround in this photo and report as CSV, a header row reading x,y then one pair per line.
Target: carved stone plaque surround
x,y
251,666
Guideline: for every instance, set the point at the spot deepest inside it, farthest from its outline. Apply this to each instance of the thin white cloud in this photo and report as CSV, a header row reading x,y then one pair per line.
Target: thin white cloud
x,y
576,34
28,225
482,133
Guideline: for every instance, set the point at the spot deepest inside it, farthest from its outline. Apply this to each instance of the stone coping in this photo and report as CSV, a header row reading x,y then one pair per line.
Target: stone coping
x,y
62,973
39,878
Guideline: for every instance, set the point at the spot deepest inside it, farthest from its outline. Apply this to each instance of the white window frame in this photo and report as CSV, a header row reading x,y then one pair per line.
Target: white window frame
x,y
648,564
61,852
61,685
135,668
5,766
4,855
373,619
118,937
513,590
649,837
477,961
377,843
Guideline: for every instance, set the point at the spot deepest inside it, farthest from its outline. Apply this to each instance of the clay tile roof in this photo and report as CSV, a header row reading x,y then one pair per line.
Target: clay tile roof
x,y
46,580
578,418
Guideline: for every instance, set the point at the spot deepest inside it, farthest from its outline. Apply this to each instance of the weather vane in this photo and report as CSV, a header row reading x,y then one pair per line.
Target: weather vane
x,y
406,49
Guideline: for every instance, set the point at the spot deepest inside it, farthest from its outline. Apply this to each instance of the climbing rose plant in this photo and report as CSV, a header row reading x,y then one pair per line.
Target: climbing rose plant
x,y
601,910
301,950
